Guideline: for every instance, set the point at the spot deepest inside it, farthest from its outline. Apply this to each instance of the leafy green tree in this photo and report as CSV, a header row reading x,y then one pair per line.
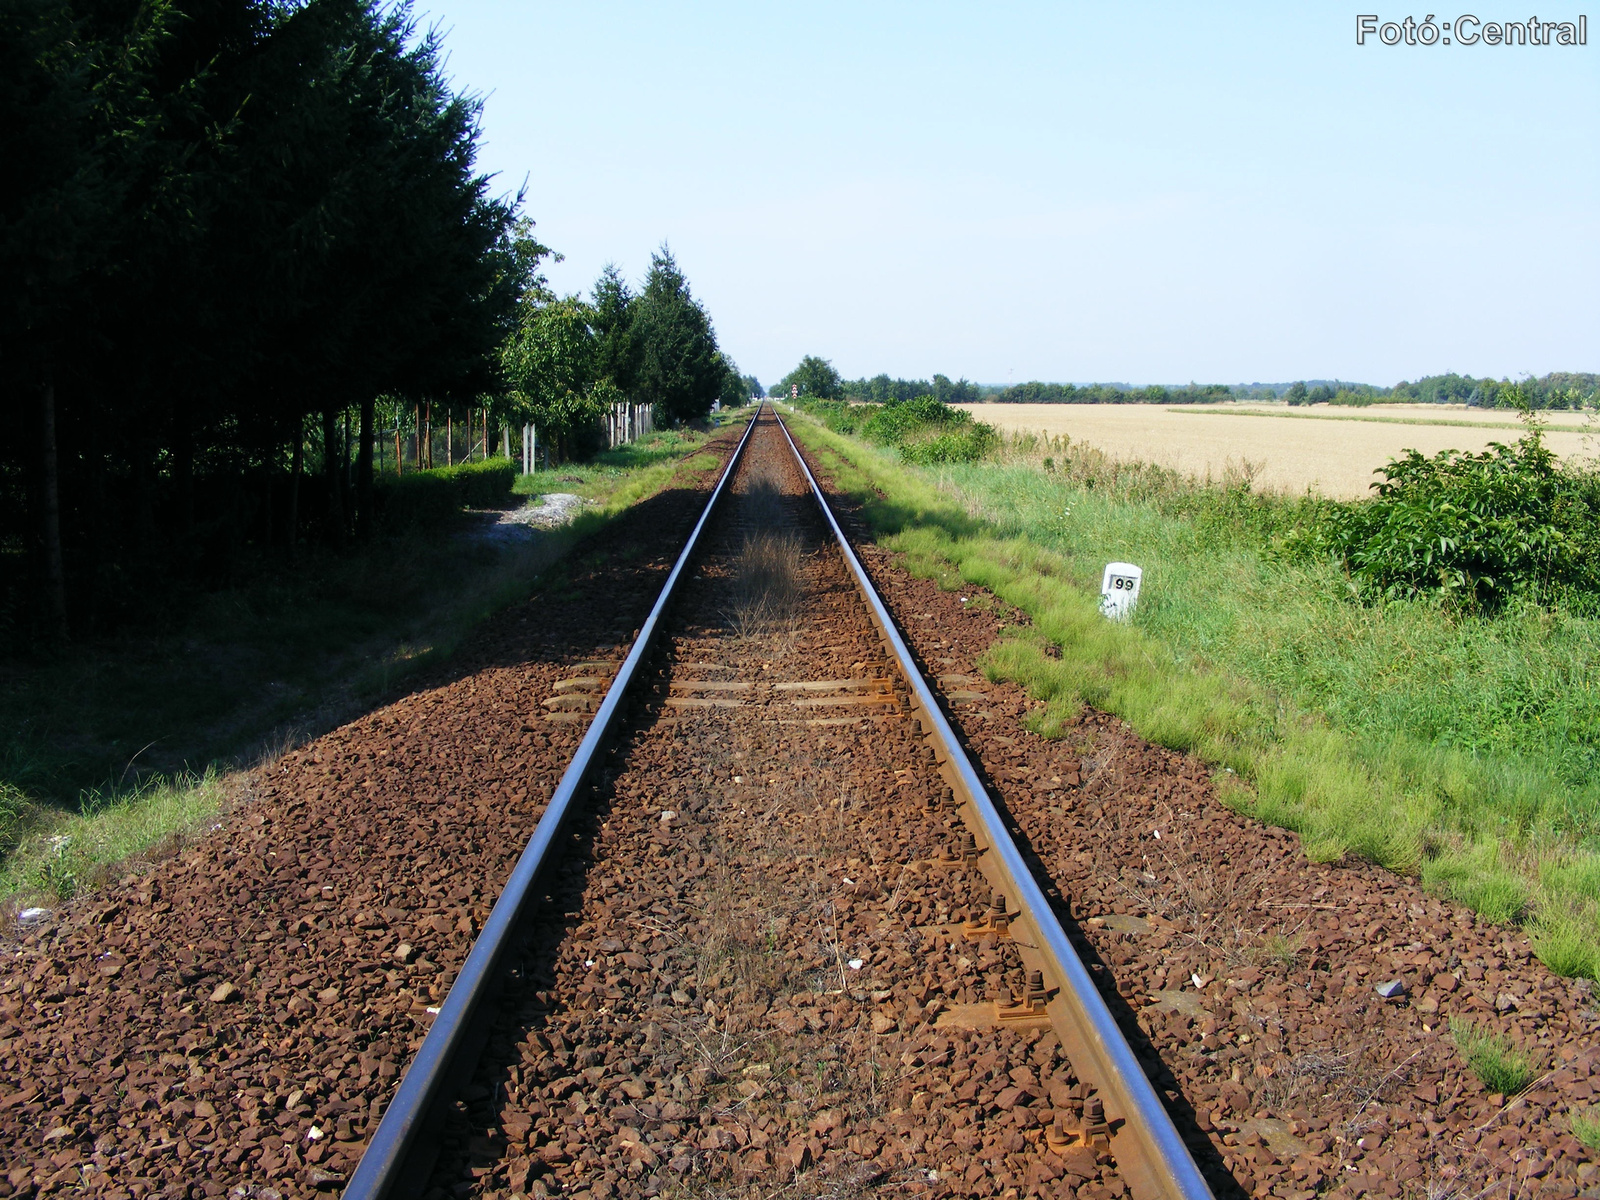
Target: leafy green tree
x,y
734,390
1297,393
816,379
551,363
680,370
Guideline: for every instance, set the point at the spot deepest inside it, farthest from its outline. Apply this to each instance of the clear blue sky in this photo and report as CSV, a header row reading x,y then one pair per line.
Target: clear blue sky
x,y
1134,192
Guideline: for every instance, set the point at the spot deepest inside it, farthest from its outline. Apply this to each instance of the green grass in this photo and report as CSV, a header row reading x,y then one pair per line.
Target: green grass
x,y
1585,1127
1500,1066
600,478
72,854
118,743
1459,749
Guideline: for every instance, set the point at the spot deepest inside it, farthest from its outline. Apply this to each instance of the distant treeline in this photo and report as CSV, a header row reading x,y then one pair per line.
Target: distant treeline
x,y
880,389
1110,393
816,379
1557,390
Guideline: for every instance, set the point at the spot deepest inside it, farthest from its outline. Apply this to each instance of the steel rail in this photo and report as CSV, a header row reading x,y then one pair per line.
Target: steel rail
x,y
387,1168
1162,1166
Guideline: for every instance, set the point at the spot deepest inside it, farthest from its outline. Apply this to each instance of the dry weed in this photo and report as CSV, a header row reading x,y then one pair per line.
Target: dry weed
x,y
764,600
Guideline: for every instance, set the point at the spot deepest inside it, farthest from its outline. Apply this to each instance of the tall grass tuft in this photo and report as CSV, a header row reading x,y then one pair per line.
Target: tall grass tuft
x,y
1585,1127
1500,1066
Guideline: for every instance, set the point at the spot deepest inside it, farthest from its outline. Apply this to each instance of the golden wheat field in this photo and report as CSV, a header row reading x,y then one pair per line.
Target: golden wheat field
x,y
1330,451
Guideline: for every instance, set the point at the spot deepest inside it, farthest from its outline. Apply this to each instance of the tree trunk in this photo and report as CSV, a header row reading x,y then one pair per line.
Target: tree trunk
x,y
346,500
364,514
330,476
427,421
297,460
144,520
55,575
96,535
183,467
269,470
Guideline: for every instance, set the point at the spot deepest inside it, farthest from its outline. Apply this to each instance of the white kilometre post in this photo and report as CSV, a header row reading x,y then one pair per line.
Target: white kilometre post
x,y
1119,590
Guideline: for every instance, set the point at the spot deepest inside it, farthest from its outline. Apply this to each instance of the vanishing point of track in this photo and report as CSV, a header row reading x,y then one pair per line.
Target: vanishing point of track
x,y
767,736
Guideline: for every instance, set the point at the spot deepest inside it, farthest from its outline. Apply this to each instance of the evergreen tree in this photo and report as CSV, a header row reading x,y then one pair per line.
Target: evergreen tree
x,y
617,346
218,218
680,370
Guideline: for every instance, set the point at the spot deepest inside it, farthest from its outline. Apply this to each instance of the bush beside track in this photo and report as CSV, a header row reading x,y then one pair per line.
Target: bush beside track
x,y
426,498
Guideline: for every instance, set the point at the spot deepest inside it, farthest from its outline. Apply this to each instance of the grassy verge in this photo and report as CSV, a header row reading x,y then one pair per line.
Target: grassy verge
x,y
122,744
1458,749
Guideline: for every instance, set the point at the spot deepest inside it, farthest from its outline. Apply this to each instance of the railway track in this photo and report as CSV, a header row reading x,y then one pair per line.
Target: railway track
x,y
771,931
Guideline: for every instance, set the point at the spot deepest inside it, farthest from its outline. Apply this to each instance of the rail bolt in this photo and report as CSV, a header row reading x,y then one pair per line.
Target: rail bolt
x,y
1096,1131
1036,992
1067,1129
994,921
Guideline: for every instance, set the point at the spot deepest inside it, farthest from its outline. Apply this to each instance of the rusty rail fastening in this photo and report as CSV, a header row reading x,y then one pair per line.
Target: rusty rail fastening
x,y
398,1159
1160,1165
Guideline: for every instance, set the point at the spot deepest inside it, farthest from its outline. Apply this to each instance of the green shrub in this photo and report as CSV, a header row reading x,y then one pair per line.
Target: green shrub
x,y
426,498
485,484
924,430
1472,529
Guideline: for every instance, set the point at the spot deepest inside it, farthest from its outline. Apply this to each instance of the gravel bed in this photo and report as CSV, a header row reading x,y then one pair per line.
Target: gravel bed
x,y
236,1015
752,982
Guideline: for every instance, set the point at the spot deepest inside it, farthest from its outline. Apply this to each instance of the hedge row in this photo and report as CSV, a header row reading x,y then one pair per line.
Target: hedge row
x,y
433,497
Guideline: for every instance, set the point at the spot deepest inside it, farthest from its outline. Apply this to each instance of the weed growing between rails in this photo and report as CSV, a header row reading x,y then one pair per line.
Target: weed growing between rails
x,y
767,586
1460,749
